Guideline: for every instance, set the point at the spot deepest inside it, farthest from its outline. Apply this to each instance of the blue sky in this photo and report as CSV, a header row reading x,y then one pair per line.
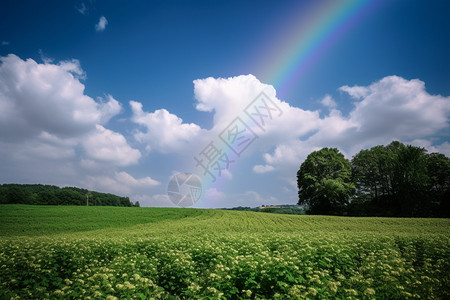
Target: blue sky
x,y
121,105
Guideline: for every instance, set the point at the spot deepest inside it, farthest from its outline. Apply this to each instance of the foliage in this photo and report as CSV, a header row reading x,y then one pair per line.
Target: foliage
x,y
217,254
284,210
324,182
438,168
400,180
393,180
52,195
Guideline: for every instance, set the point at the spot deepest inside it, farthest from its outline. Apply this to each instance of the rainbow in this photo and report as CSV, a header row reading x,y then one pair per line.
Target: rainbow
x,y
314,31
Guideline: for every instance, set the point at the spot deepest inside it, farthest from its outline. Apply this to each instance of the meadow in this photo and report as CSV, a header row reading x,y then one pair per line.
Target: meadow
x,y
64,252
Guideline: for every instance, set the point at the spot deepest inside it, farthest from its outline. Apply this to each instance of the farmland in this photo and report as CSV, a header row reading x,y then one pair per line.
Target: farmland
x,y
113,252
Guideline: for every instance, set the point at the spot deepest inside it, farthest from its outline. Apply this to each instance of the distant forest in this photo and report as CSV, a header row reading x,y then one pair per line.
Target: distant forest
x,y
38,194
275,209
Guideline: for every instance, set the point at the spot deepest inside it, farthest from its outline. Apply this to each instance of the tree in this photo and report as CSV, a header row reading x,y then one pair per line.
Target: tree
x,y
48,197
400,180
438,169
68,197
412,181
14,194
53,195
373,175
324,182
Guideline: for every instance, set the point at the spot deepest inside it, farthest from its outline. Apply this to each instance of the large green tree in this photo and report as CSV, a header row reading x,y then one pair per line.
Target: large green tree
x,y
438,168
372,172
374,176
324,182
400,180
412,181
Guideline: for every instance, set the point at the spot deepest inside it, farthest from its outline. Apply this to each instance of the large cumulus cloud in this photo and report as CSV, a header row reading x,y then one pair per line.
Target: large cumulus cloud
x,y
48,123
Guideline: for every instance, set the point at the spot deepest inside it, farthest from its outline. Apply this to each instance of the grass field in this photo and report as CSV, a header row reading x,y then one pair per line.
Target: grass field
x,y
108,252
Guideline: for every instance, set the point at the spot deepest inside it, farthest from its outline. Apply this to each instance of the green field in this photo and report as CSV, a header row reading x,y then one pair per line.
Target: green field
x,y
144,253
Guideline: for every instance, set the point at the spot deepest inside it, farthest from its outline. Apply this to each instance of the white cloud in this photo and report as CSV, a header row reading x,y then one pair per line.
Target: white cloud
x,y
157,200
43,97
104,145
5,43
443,148
73,66
263,168
390,109
44,105
101,25
228,97
121,183
108,109
47,123
42,147
129,180
328,102
82,9
226,174
46,59
398,107
289,153
214,195
356,92
253,199
164,132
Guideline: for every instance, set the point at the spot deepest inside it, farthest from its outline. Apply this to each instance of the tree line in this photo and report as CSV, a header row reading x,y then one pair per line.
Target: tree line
x,y
283,209
38,194
396,180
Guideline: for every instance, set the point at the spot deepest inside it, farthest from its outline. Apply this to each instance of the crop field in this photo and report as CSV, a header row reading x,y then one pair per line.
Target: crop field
x,y
160,253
